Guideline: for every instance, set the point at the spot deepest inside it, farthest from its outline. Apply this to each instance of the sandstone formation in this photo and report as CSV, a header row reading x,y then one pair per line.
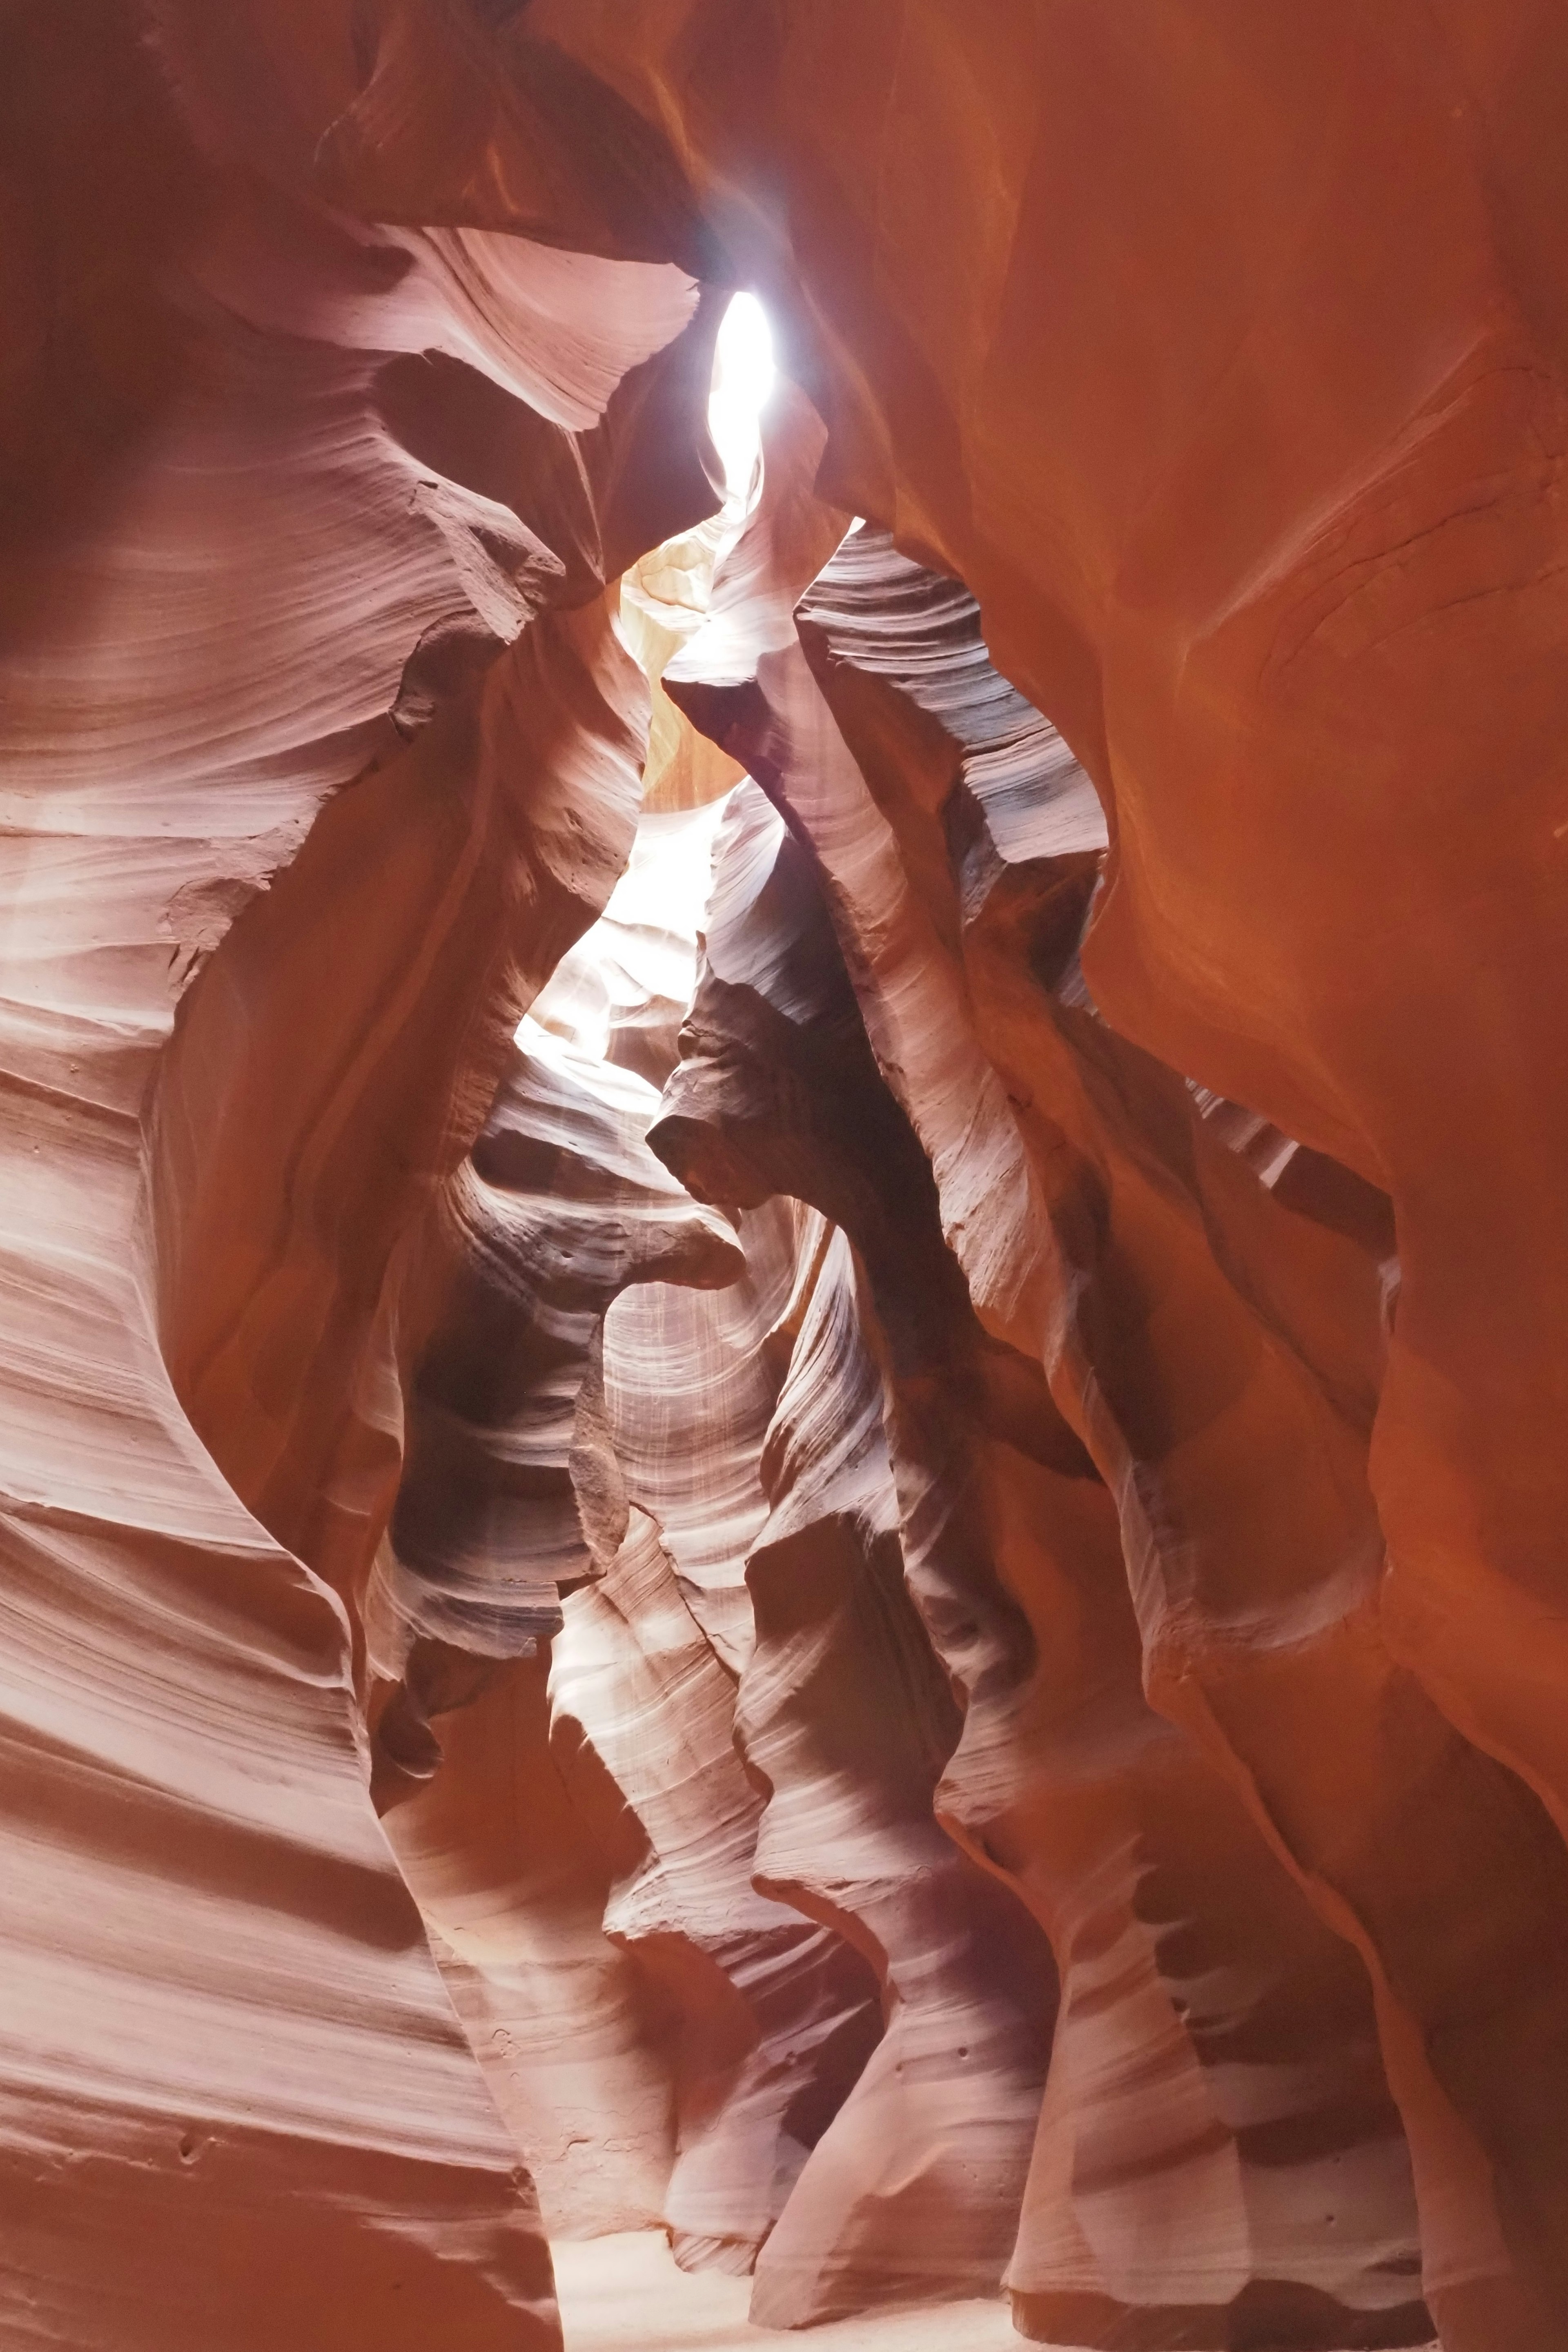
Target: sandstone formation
x,y
510,1485
319,752
915,2188
1064,1775
775,2015
782,1349
511,1861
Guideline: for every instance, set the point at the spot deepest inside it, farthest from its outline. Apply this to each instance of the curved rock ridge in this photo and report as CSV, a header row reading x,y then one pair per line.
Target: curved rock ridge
x,y
1102,1188
510,1490
876,616
930,2142
692,1382
1215,2053
512,1869
535,1420
913,2191
601,1936
776,2015
1292,1313
319,749
621,993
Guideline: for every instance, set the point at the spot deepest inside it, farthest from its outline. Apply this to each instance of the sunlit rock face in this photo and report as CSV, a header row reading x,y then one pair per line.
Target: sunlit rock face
x,y
1216,2051
781,1356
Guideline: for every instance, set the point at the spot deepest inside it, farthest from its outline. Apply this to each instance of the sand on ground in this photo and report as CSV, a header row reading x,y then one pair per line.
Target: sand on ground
x,y
625,2294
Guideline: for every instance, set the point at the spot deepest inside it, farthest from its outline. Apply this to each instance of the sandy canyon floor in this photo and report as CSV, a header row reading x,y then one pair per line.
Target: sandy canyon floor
x,y
624,2295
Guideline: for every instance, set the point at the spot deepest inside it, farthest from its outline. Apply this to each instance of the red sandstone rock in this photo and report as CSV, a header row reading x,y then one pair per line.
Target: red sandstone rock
x,y
1063,1774
1278,1284
891,923
1221,357
353,352
511,1879
776,2015
690,1384
510,1488
913,2191
271,824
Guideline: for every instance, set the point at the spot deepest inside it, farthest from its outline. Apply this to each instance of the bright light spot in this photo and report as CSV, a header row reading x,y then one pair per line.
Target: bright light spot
x,y
641,954
744,375
638,963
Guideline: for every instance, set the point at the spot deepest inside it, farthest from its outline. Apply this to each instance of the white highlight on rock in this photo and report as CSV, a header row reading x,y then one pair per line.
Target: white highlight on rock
x,y
643,950
641,954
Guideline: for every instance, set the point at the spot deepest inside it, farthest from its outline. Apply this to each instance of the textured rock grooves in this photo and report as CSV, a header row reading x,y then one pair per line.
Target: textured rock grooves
x,y
781,1370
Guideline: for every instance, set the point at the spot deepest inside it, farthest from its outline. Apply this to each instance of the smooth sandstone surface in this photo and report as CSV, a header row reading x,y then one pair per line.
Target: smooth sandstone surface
x,y
252,935
1067,1761
781,1247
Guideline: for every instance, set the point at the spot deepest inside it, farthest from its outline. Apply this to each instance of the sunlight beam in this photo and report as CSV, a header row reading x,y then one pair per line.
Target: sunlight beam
x,y
744,374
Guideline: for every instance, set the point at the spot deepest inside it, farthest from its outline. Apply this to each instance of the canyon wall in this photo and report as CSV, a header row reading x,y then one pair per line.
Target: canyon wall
x,y
320,749
782,1343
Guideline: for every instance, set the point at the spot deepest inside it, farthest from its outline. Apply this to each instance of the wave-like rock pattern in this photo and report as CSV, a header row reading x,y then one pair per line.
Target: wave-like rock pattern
x,y
776,2015
1027,1103
1221,357
606,1945
1216,2053
354,353
318,749
913,2191
1283,1318
512,1871
691,1385
510,1489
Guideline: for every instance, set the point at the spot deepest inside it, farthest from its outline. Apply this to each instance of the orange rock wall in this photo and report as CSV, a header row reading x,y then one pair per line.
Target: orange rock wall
x,y
1060,1517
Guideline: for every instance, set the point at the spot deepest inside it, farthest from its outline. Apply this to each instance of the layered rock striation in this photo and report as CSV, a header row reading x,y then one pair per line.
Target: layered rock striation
x,y
1136,1857
781,1355
319,748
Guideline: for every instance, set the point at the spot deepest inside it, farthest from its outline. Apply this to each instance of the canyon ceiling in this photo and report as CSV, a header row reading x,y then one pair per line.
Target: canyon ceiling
x,y
785,1338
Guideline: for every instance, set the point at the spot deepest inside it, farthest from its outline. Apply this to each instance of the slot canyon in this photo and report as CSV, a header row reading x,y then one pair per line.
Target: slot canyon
x,y
784,1195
